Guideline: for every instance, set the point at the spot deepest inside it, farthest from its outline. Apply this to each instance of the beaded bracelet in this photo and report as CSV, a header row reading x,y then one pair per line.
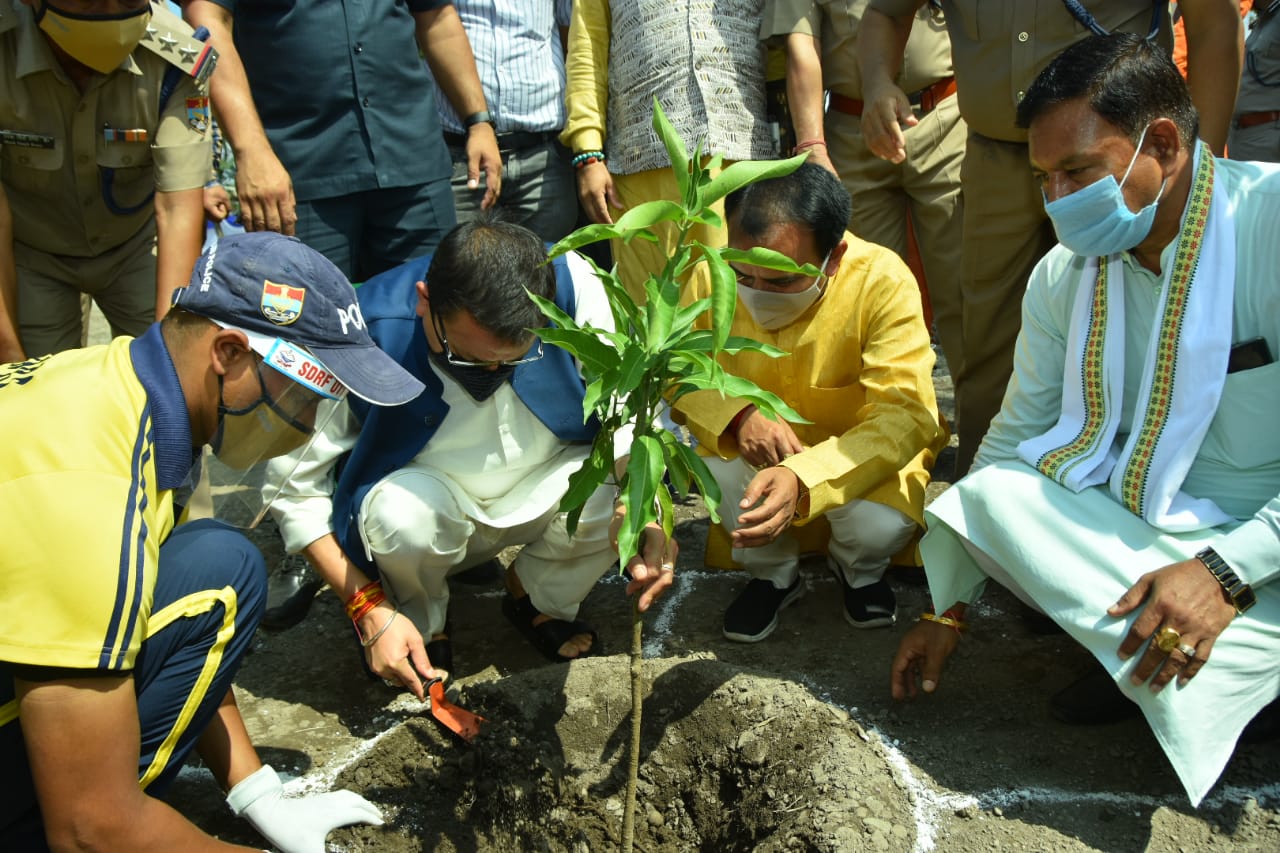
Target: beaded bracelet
x,y
378,635
948,619
586,158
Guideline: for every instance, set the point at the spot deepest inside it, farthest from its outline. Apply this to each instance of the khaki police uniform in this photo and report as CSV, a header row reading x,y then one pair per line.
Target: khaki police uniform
x,y
926,186
1255,127
997,48
79,170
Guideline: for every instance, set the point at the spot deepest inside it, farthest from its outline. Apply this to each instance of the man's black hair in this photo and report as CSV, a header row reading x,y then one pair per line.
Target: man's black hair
x,y
810,197
485,267
1127,80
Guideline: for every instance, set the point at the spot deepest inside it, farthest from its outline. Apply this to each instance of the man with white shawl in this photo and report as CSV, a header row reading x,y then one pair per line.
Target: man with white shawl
x,y
1129,487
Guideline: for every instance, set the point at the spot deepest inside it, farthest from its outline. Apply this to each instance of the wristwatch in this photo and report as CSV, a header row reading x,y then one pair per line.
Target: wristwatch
x,y
477,118
1239,592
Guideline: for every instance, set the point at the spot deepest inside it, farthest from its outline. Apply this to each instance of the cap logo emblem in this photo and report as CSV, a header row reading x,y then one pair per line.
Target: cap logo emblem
x,y
282,304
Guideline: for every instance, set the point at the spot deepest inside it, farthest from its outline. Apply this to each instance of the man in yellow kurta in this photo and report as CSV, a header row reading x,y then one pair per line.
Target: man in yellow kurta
x,y
859,369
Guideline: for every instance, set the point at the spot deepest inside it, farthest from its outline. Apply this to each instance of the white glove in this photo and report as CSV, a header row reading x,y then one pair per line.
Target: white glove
x,y
299,824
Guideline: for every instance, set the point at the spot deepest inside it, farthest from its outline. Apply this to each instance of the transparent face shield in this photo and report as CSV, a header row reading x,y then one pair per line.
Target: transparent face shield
x,y
258,446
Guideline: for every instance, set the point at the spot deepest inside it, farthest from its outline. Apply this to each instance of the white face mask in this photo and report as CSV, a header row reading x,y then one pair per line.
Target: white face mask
x,y
772,310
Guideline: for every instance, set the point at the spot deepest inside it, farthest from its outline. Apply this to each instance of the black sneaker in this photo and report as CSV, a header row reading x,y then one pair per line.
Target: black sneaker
x,y
754,613
870,606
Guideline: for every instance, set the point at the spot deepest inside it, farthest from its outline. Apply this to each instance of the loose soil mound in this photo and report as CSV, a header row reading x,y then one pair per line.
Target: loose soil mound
x,y
731,761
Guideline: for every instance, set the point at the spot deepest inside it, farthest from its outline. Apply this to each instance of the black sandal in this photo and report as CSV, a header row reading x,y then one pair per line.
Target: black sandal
x,y
550,635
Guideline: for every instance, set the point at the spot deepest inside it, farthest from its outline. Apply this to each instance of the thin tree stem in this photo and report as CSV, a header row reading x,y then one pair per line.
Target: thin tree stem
x,y
637,703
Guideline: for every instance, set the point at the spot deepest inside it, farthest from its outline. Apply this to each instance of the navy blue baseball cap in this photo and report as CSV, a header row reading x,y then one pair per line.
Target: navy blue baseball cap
x,y
275,287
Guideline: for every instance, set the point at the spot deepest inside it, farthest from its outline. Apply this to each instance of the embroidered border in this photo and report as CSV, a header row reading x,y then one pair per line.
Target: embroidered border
x,y
1054,463
1133,484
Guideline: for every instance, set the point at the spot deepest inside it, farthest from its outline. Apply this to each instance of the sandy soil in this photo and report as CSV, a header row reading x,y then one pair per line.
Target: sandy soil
x,y
789,744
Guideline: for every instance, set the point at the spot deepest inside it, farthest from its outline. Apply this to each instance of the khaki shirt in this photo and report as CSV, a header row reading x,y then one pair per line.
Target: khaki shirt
x,y
835,22
56,143
999,46
1260,82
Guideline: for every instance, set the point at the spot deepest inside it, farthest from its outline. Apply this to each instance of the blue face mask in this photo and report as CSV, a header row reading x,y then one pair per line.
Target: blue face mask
x,y
1096,221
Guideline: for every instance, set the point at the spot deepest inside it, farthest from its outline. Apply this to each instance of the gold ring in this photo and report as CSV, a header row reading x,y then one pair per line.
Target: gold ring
x,y
1167,639
668,567
1188,650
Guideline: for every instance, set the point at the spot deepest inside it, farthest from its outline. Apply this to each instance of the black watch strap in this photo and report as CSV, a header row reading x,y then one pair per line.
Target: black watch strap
x,y
1239,592
477,118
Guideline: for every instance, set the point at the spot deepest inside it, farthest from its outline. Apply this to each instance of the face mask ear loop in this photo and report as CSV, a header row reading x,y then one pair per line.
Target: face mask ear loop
x,y
1134,159
823,278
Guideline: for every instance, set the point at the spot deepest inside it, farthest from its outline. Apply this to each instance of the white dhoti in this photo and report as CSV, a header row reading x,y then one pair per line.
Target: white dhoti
x,y
1073,556
419,529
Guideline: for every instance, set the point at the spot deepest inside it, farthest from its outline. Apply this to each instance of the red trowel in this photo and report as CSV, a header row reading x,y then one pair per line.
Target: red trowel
x,y
456,719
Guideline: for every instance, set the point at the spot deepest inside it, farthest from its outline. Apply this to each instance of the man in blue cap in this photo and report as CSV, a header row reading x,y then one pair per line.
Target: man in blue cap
x,y
112,673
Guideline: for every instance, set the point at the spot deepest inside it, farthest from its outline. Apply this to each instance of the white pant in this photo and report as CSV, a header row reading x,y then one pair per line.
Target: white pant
x,y
864,535
419,536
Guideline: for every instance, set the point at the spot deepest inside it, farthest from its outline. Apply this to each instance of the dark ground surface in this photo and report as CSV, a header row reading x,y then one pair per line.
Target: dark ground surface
x,y
792,743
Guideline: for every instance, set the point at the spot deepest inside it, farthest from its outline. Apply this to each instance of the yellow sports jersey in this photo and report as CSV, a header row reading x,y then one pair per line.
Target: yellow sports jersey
x,y
95,441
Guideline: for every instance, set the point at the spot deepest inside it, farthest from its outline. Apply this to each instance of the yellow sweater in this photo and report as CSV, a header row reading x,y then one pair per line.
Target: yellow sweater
x,y
860,368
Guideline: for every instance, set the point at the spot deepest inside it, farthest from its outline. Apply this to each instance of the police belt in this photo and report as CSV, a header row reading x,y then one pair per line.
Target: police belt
x,y
926,99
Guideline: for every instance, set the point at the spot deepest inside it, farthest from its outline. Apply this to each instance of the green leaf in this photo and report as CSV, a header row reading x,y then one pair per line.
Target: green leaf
x,y
635,363
596,468
724,298
737,175
676,152
707,485
552,311
583,344
648,214
585,235
677,468
642,481
769,259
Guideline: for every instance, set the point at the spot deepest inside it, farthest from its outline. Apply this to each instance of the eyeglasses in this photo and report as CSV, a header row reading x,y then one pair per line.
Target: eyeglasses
x,y
462,362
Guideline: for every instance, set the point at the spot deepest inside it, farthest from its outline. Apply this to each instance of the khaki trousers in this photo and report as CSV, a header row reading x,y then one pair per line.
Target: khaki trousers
x,y
925,188
122,281
1006,233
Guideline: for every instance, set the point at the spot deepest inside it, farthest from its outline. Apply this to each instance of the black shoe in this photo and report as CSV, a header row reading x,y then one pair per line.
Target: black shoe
x,y
754,613
1265,726
1093,700
870,606
290,592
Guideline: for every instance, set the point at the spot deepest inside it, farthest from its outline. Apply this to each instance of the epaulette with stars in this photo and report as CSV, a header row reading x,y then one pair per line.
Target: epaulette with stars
x,y
172,39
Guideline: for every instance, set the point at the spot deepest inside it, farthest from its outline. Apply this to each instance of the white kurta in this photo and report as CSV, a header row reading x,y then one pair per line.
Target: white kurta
x,y
1074,555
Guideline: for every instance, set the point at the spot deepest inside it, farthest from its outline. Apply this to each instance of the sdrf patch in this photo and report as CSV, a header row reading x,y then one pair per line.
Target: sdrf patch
x,y
198,114
282,304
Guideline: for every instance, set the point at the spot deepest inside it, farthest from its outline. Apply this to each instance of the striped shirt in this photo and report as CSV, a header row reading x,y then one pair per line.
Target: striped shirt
x,y
520,60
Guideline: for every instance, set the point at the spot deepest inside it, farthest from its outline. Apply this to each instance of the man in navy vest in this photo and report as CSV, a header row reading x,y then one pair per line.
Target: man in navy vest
x,y
389,503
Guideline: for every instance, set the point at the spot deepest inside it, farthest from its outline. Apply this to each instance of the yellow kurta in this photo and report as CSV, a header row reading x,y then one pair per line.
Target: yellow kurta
x,y
860,368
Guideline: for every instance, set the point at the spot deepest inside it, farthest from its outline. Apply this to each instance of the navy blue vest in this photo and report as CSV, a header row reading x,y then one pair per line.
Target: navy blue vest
x,y
391,436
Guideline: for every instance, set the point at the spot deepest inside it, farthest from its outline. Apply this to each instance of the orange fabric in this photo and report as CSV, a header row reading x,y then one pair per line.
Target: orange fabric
x,y
1180,37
